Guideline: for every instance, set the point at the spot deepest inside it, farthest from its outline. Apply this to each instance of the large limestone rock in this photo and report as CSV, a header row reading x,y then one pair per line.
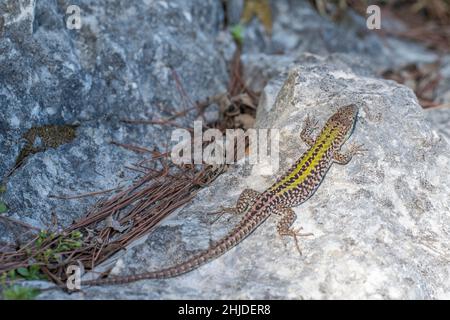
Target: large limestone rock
x,y
380,223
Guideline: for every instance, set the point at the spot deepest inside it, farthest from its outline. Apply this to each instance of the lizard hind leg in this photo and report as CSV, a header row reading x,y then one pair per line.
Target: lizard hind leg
x,y
246,199
284,228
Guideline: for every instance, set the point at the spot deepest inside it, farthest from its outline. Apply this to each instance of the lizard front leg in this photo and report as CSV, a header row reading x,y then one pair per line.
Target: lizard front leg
x,y
284,229
309,125
344,158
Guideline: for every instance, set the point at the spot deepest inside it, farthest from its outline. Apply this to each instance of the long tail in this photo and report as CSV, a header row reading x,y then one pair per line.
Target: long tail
x,y
246,226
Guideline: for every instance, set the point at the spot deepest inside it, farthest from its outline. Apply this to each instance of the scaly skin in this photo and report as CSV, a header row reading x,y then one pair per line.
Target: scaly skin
x,y
290,190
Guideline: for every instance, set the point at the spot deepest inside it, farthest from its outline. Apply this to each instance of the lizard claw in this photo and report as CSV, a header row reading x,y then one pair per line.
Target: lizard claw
x,y
310,123
357,149
295,233
221,212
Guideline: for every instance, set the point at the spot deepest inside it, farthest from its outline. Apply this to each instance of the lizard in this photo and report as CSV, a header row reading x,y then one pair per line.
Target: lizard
x,y
291,189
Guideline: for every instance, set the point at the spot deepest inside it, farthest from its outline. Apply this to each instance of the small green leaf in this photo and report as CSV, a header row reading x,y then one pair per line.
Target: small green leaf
x,y
20,293
76,234
12,274
34,268
34,273
2,188
63,247
237,33
3,207
23,272
77,244
43,234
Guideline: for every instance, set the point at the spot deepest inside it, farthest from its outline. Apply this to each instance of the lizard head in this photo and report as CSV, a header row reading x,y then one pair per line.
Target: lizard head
x,y
344,119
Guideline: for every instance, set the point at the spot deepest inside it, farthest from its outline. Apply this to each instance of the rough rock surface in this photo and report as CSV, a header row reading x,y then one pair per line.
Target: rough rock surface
x,y
440,120
122,63
298,27
380,223
443,90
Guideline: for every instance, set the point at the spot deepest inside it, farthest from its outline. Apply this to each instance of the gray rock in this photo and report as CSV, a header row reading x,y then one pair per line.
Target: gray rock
x,y
440,117
380,223
122,63
443,89
259,68
72,169
440,121
299,28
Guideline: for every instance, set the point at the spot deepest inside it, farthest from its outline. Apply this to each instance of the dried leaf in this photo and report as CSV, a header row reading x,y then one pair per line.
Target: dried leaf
x,y
115,225
224,103
244,120
261,9
244,99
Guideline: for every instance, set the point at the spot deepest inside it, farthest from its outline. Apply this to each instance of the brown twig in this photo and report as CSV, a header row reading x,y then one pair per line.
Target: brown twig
x,y
131,147
84,195
21,223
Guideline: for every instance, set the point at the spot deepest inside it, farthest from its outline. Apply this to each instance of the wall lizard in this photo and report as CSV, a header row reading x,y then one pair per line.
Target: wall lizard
x,y
290,190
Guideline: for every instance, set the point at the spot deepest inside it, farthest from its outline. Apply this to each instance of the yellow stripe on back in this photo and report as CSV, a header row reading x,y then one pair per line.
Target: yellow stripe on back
x,y
314,160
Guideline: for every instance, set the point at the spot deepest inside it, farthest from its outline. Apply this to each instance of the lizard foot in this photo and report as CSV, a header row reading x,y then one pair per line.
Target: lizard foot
x,y
295,233
222,211
311,123
357,149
